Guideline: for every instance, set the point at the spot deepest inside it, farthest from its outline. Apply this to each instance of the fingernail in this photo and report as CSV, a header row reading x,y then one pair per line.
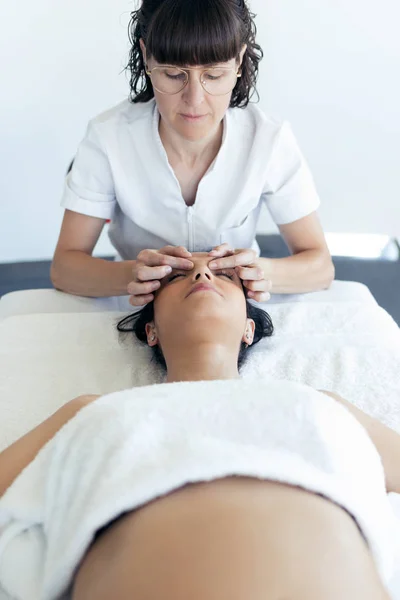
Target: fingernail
x,y
214,265
168,269
251,294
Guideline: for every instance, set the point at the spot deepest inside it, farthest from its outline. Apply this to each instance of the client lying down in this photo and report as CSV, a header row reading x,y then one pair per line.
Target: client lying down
x,y
206,487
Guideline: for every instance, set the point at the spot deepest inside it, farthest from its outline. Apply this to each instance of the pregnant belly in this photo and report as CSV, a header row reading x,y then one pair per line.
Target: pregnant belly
x,y
235,538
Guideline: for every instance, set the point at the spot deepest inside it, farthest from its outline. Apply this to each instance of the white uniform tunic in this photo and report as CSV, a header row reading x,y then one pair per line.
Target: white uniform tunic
x,y
121,172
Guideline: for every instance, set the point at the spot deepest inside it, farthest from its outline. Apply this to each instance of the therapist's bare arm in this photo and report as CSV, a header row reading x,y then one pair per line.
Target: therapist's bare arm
x,y
74,270
16,457
385,439
310,267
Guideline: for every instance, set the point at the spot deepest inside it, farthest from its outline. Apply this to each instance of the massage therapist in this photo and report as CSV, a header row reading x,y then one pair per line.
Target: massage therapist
x,y
186,163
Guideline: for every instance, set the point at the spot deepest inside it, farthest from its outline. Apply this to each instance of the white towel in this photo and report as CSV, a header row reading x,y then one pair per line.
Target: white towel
x,y
130,447
352,348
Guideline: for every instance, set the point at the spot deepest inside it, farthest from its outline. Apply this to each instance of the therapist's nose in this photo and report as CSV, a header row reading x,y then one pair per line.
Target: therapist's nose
x,y
193,93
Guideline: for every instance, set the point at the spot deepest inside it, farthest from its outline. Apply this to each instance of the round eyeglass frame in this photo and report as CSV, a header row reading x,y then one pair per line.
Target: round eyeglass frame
x,y
149,73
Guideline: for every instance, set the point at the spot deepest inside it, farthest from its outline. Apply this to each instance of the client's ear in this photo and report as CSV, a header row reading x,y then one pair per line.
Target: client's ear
x,y
248,334
151,334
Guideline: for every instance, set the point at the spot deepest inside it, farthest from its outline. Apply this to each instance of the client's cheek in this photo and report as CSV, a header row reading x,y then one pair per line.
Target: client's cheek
x,y
241,311
166,312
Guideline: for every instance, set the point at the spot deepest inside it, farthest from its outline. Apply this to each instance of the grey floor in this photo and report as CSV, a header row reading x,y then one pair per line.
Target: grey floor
x,y
381,276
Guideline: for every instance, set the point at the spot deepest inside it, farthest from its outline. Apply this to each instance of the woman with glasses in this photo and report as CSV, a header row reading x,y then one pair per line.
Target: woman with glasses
x,y
186,163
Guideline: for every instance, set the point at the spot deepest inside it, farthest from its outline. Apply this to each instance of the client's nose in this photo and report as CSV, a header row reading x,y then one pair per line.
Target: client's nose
x,y
202,273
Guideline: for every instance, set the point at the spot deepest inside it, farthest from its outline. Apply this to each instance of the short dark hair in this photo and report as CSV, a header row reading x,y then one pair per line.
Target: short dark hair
x,y
193,32
137,322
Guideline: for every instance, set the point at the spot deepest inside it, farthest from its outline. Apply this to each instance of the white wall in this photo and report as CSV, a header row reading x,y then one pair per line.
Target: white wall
x,y
60,66
331,68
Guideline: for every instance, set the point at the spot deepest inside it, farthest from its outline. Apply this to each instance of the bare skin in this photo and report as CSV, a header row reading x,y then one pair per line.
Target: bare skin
x,y
232,539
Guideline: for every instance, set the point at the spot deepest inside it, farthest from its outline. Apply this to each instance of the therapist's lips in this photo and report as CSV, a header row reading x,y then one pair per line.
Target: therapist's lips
x,y
193,118
199,287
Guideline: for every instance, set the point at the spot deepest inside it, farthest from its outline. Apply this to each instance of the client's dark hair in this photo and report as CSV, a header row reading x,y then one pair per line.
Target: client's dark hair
x,y
137,322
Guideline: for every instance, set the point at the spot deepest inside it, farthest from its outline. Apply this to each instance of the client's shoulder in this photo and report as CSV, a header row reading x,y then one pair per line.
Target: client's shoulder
x,y
85,399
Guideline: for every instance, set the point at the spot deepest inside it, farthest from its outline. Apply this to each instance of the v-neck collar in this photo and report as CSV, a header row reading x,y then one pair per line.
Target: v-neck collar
x,y
160,145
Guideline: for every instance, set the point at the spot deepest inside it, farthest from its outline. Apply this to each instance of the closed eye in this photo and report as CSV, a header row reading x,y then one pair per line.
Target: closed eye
x,y
225,274
218,274
175,77
174,276
213,77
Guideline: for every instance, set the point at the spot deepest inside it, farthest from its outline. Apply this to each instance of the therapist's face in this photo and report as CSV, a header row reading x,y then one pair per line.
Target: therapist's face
x,y
200,306
177,110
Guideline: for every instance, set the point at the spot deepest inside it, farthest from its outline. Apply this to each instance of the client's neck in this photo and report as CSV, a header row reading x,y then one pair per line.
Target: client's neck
x,y
201,363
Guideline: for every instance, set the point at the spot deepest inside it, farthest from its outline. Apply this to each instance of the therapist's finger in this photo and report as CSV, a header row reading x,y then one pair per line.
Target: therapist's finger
x,y
137,288
258,286
242,258
177,257
141,300
157,258
181,257
259,296
175,251
251,272
174,261
222,250
146,273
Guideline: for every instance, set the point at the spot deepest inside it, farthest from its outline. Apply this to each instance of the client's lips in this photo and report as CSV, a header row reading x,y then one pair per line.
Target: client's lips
x,y
202,286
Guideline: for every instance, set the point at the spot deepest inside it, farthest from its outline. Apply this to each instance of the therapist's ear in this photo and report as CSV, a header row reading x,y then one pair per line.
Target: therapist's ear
x,y
143,49
242,53
248,335
151,333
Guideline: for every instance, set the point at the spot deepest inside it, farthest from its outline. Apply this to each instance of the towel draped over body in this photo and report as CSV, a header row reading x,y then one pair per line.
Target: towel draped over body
x,y
130,447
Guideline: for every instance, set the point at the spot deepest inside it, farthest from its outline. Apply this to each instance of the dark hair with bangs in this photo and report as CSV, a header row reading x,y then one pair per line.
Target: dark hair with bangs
x,y
137,322
193,32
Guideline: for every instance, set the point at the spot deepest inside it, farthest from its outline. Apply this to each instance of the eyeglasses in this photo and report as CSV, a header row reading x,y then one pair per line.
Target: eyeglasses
x,y
217,81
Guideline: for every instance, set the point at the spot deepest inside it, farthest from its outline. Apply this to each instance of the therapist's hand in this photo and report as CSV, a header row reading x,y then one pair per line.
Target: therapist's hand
x,y
246,264
153,265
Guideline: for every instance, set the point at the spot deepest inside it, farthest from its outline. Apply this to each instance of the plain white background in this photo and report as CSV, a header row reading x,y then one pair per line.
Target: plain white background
x,y
330,68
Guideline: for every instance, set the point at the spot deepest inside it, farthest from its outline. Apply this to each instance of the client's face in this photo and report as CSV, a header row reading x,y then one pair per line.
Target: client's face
x,y
202,304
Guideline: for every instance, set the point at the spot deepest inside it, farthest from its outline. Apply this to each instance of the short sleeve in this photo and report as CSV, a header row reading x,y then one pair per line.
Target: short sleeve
x,y
289,192
89,186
